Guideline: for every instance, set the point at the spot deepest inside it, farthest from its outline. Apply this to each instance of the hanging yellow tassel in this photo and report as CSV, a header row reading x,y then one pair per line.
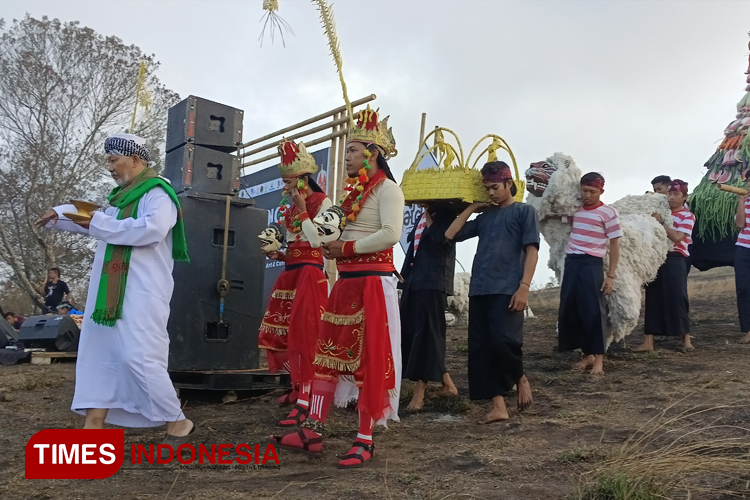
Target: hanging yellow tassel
x,y
275,21
142,96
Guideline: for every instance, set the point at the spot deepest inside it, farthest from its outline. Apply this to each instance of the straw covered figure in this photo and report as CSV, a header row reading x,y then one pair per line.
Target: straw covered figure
x,y
553,188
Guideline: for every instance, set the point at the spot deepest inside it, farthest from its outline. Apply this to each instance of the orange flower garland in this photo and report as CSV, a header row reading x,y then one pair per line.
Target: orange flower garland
x,y
359,185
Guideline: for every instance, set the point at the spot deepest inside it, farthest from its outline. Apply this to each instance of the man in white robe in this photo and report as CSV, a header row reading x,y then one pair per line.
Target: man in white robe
x,y
121,372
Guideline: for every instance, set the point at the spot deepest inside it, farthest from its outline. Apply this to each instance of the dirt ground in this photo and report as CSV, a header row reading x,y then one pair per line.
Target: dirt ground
x,y
438,453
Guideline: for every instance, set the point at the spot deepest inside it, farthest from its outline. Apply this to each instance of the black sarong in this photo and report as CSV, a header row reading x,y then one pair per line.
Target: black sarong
x,y
423,334
582,320
495,342
742,284
667,303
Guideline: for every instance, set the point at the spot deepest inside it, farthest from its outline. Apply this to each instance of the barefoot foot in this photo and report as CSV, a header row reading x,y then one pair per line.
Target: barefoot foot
x,y
448,388
417,399
499,412
585,363
598,367
524,393
645,347
745,339
415,404
687,346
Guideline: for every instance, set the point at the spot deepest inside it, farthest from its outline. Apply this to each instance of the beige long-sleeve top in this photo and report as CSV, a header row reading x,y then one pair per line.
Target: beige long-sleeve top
x,y
379,222
309,232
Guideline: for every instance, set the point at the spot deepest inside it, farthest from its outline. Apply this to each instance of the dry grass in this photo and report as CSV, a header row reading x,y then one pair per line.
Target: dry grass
x,y
34,380
710,288
695,452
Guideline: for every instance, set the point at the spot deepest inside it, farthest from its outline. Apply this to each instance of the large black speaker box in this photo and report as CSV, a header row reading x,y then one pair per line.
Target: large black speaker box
x,y
199,338
204,123
51,332
195,168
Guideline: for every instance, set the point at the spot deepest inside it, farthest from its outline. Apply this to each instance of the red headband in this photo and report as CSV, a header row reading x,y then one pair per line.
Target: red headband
x,y
500,176
678,185
597,183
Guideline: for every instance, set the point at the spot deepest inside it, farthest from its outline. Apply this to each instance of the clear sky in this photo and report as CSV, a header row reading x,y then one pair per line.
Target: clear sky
x,y
631,89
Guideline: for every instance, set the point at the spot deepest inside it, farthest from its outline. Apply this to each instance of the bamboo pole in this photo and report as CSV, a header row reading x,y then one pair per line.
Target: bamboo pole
x,y
421,131
331,189
307,144
314,119
333,181
340,173
292,137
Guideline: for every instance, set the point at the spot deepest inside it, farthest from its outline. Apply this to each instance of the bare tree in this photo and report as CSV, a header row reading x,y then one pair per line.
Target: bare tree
x,y
63,89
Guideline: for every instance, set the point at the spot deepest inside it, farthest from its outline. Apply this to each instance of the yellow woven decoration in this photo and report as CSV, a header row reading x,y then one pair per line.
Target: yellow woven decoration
x,y
451,180
491,150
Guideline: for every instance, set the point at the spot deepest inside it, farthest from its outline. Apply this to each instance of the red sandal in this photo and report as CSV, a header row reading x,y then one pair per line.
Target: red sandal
x,y
296,417
306,442
287,399
361,447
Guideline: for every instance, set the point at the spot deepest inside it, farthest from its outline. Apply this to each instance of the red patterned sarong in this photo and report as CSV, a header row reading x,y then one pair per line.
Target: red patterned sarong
x,y
292,319
354,338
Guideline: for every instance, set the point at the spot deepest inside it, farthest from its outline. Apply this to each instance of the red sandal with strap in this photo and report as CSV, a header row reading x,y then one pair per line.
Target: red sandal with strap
x,y
295,417
289,398
305,441
357,455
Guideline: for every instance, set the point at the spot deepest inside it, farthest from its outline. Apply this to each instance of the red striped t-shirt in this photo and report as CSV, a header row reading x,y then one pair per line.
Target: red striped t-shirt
x,y
743,239
592,228
421,225
683,222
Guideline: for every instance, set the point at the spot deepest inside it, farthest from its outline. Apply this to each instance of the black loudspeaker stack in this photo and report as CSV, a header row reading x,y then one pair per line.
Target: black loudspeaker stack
x,y
213,324
201,134
50,332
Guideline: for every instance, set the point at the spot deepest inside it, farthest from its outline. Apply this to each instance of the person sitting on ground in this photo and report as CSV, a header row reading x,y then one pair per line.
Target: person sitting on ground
x,y
54,291
667,302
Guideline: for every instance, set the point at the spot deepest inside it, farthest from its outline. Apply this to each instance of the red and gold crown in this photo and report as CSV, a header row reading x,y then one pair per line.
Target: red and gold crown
x,y
370,131
295,160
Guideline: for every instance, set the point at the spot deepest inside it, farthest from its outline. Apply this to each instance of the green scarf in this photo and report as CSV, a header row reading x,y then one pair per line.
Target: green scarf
x,y
111,293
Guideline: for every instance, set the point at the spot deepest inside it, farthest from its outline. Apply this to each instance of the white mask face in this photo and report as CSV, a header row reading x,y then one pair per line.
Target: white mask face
x,y
330,224
271,238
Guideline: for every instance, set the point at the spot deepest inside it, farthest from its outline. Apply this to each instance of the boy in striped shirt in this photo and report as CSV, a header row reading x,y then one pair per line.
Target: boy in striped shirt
x,y
667,303
742,265
582,320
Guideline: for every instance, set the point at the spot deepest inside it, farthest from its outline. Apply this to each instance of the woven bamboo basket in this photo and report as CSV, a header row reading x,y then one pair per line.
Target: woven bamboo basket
x,y
453,179
497,144
450,180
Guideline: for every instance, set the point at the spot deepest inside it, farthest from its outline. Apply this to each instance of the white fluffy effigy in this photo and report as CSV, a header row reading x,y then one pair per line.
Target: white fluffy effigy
x,y
643,248
458,303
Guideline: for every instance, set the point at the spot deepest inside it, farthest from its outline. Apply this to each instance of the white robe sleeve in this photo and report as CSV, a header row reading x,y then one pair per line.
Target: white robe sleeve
x,y
308,228
391,203
157,214
63,223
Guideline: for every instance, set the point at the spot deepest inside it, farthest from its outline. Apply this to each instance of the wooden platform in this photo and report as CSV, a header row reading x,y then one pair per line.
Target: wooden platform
x,y
45,358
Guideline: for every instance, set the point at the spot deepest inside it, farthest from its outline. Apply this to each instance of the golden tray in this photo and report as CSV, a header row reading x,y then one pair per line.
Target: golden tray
x,y
84,208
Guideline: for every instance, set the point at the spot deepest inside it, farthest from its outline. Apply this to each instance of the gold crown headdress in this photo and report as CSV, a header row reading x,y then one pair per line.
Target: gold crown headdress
x,y
370,131
295,160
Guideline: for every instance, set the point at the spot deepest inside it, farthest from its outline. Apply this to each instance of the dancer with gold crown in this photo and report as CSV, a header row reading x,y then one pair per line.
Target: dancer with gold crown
x,y
289,330
359,345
